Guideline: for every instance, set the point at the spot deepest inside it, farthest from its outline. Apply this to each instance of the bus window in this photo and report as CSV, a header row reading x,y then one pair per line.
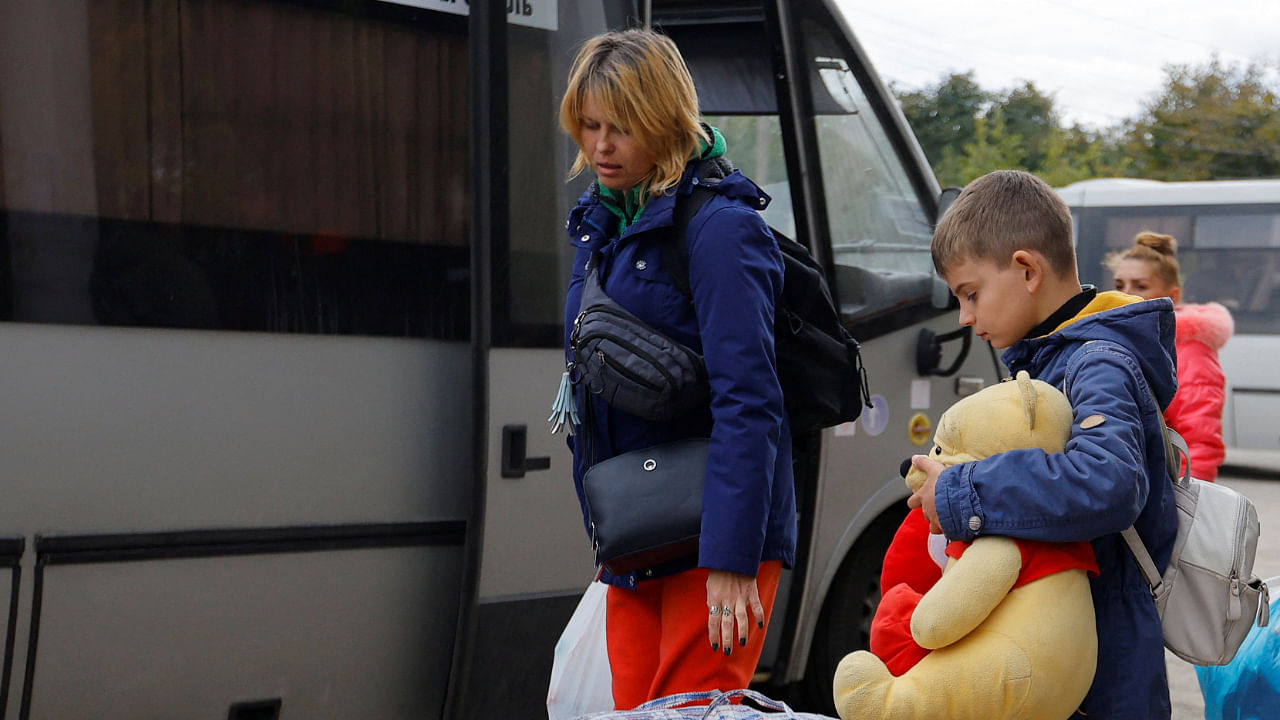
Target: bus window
x,y
1238,230
755,146
1120,229
532,272
879,231
1234,259
273,167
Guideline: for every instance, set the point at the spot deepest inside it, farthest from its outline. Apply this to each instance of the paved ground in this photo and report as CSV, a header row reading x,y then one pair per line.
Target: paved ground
x,y
1257,475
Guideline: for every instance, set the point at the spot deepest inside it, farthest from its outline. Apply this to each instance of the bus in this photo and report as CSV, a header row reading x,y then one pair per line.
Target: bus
x,y
1228,234
281,326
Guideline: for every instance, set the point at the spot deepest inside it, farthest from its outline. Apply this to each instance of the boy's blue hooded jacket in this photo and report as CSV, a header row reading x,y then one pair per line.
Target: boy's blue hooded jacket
x,y
735,276
1115,360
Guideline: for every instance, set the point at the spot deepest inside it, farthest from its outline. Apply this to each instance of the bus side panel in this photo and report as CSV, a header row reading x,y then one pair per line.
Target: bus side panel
x,y
112,430
356,634
322,485
1253,393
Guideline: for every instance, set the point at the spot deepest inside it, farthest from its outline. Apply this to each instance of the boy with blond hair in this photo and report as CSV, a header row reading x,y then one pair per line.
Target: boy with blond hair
x,y
1005,249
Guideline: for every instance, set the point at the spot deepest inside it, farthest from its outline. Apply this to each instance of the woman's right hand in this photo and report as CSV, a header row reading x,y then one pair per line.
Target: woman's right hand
x,y
730,597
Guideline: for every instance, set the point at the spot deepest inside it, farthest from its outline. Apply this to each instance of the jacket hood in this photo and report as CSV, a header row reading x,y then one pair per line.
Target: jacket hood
x,y
1208,323
1144,327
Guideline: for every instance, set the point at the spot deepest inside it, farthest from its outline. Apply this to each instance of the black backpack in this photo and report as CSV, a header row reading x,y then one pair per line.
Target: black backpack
x,y
819,364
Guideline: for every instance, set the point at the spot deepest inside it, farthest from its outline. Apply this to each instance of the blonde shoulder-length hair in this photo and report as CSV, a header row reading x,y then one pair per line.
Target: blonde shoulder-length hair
x,y
640,82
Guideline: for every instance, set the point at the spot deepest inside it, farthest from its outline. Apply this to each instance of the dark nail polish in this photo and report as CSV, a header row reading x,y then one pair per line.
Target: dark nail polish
x,y
715,647
760,623
726,651
742,642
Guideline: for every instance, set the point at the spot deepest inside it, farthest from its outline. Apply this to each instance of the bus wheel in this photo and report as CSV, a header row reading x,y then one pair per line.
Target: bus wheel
x,y
845,622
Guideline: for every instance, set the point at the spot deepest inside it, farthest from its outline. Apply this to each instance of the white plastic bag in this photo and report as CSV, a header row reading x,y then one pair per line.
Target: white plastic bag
x,y
581,681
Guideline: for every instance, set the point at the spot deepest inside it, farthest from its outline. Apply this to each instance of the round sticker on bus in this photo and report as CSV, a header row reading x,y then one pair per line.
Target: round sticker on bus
x,y
875,417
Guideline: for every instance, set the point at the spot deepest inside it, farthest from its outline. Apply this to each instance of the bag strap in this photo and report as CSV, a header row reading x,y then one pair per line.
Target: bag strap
x,y
1175,452
1148,566
760,699
675,246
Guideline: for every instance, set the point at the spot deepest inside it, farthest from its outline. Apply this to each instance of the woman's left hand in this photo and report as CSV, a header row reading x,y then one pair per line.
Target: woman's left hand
x,y
730,596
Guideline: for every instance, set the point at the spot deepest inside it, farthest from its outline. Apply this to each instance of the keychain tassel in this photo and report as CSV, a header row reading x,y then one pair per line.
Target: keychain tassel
x,y
564,411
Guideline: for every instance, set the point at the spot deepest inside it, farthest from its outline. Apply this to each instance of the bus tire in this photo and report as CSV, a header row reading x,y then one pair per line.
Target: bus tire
x,y
844,625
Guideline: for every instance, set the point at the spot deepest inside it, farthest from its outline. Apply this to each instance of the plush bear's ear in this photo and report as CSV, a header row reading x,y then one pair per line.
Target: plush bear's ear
x,y
1028,398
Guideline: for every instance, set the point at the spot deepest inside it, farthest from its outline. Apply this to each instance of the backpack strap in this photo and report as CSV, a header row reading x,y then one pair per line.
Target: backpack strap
x,y
1175,452
675,246
1148,566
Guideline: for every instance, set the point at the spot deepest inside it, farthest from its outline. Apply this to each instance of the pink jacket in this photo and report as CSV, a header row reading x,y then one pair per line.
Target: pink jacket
x,y
1196,410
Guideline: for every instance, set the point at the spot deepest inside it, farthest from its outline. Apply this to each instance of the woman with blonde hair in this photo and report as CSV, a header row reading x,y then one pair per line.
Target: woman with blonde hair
x,y
697,623
1149,269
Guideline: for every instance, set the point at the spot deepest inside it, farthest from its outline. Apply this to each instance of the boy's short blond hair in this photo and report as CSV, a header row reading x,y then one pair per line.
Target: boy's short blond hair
x,y
1003,212
640,81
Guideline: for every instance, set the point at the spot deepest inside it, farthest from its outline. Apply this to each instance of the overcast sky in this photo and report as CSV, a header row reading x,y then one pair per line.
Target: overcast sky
x,y
1099,59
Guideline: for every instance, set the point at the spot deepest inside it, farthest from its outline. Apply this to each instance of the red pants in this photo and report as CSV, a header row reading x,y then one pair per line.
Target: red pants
x,y
659,644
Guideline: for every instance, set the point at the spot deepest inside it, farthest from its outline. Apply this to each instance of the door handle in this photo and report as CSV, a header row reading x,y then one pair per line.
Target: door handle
x,y
514,446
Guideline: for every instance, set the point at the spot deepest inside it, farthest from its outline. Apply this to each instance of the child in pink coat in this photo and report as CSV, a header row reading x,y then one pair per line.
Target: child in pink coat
x,y
1149,269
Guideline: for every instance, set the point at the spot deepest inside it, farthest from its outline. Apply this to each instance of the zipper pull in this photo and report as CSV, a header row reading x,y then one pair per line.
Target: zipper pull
x,y
1233,607
1264,604
577,329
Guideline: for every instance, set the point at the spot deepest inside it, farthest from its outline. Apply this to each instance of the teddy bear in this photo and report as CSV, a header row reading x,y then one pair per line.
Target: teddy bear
x,y
1008,630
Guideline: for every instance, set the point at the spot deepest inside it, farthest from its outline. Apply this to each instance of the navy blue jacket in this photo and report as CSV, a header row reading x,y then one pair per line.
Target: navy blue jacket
x,y
1115,359
735,276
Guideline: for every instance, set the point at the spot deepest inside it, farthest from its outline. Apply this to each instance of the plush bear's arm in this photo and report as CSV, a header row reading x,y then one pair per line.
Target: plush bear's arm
x,y
969,590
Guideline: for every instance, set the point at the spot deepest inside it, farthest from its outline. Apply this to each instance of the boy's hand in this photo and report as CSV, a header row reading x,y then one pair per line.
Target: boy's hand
x,y
923,498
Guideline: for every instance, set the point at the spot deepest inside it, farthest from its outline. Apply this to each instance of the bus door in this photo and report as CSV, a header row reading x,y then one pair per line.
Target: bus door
x,y
850,181
535,558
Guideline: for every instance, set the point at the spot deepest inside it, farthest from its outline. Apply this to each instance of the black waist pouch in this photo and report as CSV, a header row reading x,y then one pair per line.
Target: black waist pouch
x,y
630,365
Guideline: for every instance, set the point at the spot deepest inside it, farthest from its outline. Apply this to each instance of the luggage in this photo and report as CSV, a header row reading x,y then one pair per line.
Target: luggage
x,y
712,705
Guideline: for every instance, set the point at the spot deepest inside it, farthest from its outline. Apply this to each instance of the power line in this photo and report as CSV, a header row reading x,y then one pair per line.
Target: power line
x,y
1143,29
902,41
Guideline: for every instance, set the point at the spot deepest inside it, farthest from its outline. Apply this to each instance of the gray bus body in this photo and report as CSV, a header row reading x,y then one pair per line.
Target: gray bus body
x,y
280,328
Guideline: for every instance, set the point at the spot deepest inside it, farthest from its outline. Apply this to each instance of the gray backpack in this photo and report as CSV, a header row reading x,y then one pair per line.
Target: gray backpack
x,y
1208,596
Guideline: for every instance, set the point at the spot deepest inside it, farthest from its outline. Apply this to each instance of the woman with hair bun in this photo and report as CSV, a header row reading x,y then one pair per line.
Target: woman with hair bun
x,y
1149,269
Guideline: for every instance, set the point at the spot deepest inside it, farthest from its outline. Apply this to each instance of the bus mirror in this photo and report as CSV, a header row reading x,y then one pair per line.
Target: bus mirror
x,y
940,294
929,350
946,199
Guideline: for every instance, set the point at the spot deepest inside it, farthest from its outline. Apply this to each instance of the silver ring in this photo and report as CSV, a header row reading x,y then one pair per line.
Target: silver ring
x,y
714,610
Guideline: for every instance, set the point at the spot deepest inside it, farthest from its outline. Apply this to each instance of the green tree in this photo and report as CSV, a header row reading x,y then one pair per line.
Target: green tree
x,y
1209,121
993,147
967,131
1031,115
944,116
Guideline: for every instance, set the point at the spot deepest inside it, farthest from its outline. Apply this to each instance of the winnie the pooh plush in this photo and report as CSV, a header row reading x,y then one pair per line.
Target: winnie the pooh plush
x,y
1008,630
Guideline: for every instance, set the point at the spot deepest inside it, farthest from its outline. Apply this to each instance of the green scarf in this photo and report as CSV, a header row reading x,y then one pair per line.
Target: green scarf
x,y
629,205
